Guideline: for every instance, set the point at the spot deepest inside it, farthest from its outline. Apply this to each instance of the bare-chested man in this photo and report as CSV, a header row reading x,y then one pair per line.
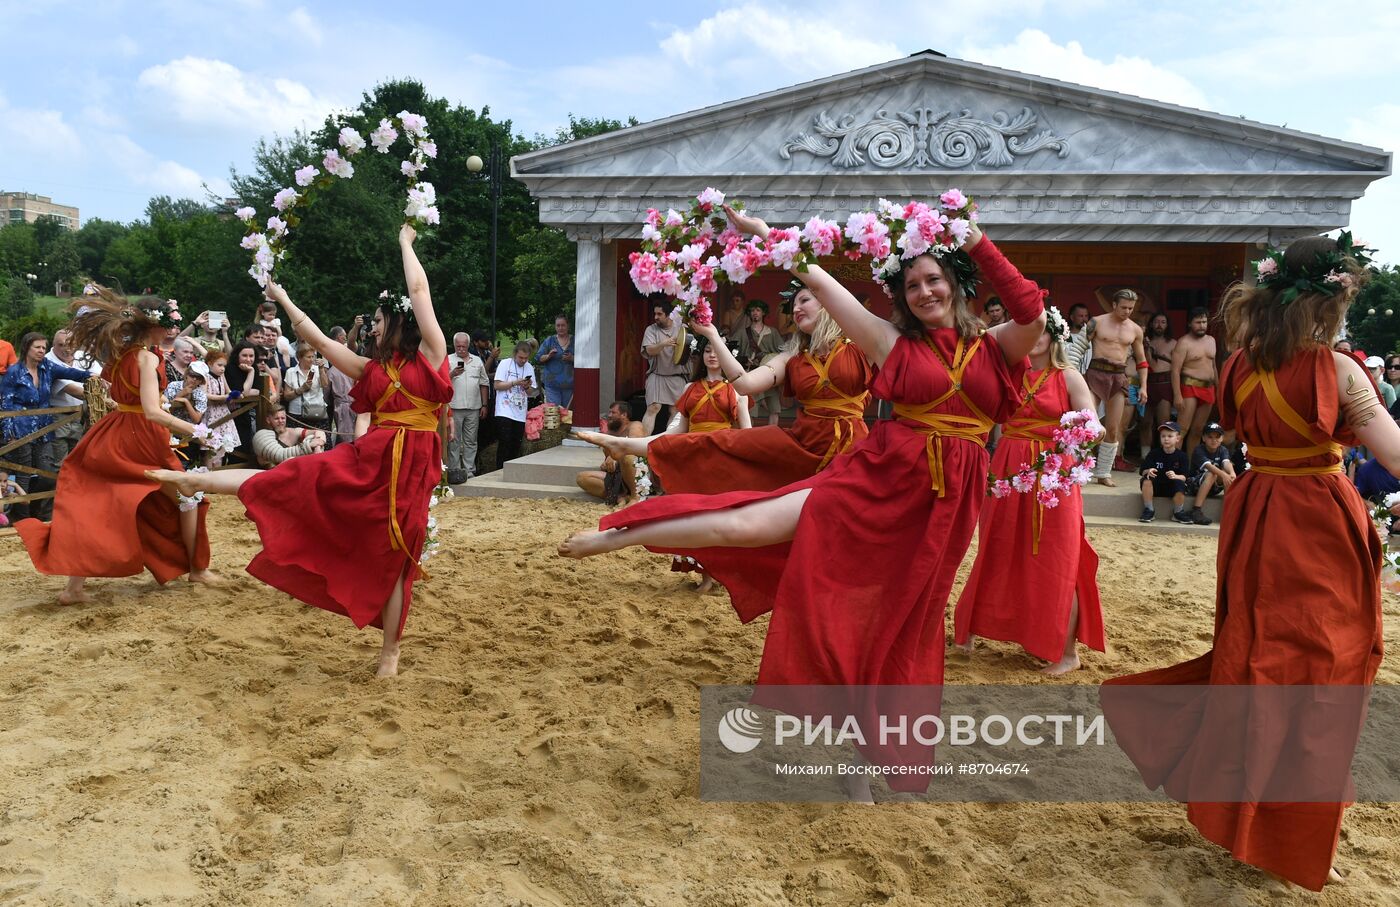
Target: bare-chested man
x,y
616,481
1115,336
1194,377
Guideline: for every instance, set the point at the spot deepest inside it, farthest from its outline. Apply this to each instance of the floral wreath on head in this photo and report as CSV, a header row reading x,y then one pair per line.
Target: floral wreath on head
x,y
404,305
167,316
1056,325
268,244
1325,274
676,256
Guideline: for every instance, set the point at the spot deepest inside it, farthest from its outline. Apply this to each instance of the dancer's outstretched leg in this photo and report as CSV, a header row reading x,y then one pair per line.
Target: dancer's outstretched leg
x,y
617,447
224,481
390,617
1069,661
756,525
189,532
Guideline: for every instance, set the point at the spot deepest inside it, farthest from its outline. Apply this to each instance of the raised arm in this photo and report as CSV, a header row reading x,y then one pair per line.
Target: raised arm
x,y
337,354
768,375
1023,298
434,345
874,335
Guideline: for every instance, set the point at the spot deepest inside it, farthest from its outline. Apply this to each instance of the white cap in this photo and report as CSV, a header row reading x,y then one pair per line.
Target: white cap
x,y
200,369
1375,362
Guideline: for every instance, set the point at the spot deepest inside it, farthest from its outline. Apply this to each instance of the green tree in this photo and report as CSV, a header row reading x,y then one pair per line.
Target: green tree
x,y
61,262
47,229
176,209
126,263
18,299
211,269
93,239
1373,320
19,249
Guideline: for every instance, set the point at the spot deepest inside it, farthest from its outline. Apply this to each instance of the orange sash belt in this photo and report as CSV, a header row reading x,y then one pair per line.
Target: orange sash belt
x,y
131,408
1275,399
422,417
703,427
1034,431
839,411
937,426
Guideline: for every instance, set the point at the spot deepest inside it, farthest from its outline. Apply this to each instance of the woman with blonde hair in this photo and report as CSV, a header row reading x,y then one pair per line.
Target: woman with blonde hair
x,y
1050,600
856,563
1298,601
109,518
820,366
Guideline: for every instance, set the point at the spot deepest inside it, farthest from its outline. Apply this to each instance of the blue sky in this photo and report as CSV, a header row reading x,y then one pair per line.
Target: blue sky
x,y
104,103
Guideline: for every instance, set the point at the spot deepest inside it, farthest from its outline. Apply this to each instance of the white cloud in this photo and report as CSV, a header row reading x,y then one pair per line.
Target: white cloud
x,y
301,20
159,177
36,133
800,45
1034,52
203,92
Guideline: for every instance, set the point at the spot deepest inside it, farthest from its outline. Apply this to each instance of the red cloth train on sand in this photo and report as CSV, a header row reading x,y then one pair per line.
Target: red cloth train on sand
x,y
1297,602
832,391
324,519
1032,560
108,518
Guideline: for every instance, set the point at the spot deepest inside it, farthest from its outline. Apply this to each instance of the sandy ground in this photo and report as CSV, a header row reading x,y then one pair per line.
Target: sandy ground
x,y
196,746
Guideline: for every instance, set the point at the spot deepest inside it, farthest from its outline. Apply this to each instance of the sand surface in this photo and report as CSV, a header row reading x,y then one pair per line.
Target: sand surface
x,y
231,746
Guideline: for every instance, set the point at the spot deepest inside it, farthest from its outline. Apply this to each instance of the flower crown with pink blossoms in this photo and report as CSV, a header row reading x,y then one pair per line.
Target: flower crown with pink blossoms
x,y
1326,274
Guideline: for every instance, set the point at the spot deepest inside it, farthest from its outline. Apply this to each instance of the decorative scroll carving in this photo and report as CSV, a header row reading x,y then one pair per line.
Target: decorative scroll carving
x,y
923,138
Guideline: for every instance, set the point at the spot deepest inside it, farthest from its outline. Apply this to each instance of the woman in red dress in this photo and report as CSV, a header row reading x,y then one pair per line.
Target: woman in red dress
x,y
856,563
709,403
109,519
1298,581
344,530
1035,578
829,376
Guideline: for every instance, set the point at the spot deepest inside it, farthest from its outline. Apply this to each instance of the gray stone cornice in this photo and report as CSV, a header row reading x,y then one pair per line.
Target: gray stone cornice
x,y
834,90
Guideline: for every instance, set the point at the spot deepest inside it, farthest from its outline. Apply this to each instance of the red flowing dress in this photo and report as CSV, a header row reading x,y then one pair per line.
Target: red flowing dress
x,y
1032,561
339,527
832,390
108,518
1297,603
858,596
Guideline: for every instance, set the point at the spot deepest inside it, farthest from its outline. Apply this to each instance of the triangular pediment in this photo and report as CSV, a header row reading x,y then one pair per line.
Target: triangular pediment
x,y
929,113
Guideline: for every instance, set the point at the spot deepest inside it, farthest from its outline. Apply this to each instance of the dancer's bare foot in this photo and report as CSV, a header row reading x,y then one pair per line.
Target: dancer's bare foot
x,y
1333,878
857,789
706,584
587,543
1063,666
388,662
1106,480
206,576
71,596
966,647
611,445
183,481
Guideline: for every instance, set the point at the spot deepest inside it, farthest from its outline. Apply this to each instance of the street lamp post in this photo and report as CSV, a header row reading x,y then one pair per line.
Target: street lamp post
x,y
493,173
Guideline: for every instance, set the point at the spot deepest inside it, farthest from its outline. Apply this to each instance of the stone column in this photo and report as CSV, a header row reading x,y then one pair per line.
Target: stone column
x,y
595,327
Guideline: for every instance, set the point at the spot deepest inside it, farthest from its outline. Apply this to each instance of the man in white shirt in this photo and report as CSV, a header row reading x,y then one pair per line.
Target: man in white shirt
x,y
67,393
515,381
470,387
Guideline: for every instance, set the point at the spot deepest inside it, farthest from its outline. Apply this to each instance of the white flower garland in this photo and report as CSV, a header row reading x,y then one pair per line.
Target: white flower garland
x,y
268,245
431,544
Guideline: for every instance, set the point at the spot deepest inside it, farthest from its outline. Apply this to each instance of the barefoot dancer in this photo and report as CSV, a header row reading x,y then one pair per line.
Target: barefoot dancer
x,y
109,519
826,372
709,404
856,562
1298,597
1049,598
343,530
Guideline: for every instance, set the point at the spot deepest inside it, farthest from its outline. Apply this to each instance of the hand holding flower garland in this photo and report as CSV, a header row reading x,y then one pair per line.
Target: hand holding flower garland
x,y
268,245
1056,471
677,256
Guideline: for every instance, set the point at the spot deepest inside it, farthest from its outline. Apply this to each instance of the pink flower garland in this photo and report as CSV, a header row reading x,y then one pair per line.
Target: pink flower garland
x,y
268,245
687,256
1056,471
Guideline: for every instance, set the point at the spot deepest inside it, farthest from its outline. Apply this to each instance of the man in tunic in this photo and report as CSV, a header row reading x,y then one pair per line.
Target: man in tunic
x,y
756,342
666,377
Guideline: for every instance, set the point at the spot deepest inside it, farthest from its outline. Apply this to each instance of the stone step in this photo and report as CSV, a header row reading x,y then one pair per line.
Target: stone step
x,y
496,485
1163,524
554,466
1126,500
